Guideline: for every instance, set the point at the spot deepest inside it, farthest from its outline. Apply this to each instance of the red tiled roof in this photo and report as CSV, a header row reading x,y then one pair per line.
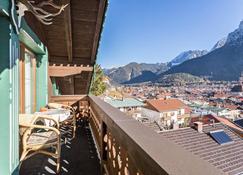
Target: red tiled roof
x,y
232,107
228,123
166,105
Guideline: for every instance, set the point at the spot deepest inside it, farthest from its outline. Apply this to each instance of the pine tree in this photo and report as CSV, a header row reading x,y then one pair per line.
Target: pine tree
x,y
98,86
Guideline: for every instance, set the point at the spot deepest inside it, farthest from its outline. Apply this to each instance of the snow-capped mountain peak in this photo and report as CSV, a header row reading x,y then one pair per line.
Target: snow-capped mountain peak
x,y
219,44
236,37
241,25
187,55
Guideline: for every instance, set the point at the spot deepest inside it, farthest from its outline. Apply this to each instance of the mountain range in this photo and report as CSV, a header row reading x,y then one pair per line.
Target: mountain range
x,y
223,62
135,72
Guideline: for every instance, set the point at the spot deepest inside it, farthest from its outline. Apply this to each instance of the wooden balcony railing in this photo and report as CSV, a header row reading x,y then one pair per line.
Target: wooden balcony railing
x,y
127,147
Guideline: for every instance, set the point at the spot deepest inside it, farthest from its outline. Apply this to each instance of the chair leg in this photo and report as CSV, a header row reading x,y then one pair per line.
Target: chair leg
x,y
58,165
74,125
74,128
58,153
23,155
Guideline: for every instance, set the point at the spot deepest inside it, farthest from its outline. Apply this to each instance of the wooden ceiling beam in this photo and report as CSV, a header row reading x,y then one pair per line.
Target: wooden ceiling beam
x,y
63,71
68,29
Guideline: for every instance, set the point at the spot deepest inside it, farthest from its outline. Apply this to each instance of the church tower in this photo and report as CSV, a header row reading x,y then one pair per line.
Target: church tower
x,y
241,79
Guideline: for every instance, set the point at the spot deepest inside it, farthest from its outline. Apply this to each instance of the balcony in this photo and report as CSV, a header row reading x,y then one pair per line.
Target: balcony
x,y
78,156
110,142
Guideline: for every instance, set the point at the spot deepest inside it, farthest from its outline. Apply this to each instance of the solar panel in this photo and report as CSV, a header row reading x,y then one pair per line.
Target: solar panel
x,y
239,122
220,137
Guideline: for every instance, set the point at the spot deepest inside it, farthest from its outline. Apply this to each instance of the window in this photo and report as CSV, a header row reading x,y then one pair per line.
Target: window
x,y
239,122
220,137
27,81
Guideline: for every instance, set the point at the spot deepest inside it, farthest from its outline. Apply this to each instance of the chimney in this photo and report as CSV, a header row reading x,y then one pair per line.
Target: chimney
x,y
198,126
213,122
175,126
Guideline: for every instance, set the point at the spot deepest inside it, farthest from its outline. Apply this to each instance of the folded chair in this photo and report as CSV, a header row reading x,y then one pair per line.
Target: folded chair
x,y
71,120
38,138
85,111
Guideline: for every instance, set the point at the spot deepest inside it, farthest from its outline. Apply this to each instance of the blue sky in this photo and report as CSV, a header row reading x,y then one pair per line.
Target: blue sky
x,y
155,31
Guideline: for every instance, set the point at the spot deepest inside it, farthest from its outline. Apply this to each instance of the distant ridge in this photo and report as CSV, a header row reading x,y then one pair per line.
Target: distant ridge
x,y
223,62
135,72
179,79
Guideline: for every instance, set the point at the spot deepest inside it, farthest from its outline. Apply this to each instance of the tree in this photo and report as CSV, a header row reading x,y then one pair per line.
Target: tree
x,y
98,86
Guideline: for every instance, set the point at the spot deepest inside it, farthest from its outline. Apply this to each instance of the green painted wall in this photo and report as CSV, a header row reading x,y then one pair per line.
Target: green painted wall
x,y
35,45
55,88
31,39
4,6
9,87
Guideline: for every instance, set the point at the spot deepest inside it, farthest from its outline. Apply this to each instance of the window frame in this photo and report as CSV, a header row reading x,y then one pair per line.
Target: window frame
x,y
23,51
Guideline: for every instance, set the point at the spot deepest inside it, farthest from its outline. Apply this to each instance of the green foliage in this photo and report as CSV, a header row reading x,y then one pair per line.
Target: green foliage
x,y
98,86
179,78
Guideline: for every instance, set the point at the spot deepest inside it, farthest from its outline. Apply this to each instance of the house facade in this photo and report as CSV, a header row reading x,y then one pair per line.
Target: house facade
x,y
130,106
24,63
171,111
40,58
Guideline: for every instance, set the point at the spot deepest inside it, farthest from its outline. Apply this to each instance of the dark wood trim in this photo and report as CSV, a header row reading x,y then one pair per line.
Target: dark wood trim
x,y
98,29
21,78
24,50
63,71
67,99
68,30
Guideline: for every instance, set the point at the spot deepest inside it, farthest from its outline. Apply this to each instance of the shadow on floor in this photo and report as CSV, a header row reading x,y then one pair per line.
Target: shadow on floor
x,y
79,157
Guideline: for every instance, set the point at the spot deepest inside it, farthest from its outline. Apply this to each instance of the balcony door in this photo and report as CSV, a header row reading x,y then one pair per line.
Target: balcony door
x,y
27,81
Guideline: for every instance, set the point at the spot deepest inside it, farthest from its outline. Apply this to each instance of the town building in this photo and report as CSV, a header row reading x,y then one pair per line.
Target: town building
x,y
130,106
171,111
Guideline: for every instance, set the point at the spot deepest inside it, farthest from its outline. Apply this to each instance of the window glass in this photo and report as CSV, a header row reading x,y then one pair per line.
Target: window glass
x,y
27,83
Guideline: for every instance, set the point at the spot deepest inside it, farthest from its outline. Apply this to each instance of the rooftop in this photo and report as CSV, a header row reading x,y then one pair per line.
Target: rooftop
x,y
227,158
205,119
166,105
125,102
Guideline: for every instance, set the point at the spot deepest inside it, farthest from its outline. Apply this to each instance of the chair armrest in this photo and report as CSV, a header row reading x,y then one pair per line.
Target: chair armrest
x,y
68,107
35,126
48,117
58,105
30,127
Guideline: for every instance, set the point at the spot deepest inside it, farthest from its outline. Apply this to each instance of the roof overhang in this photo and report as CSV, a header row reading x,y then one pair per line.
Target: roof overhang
x,y
74,36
